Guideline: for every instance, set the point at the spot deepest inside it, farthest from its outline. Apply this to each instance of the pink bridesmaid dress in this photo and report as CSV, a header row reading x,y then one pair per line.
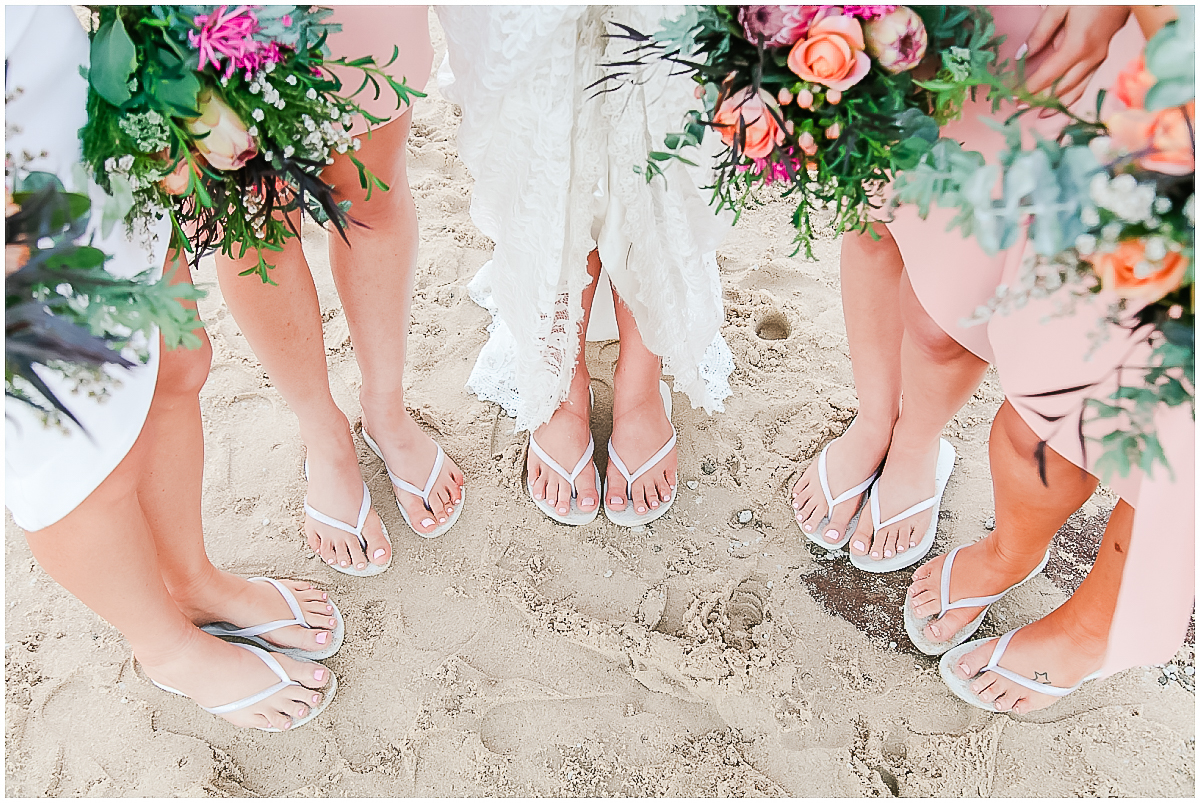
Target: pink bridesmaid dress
x,y
375,31
1036,349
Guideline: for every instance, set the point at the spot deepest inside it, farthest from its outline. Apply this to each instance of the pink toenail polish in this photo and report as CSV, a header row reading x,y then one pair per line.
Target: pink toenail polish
x,y
887,553
641,510
324,596
900,547
301,711
667,498
875,555
935,630
616,500
441,519
426,522
328,607
345,563
333,622
831,535
795,505
361,566
808,528
319,673
317,697
654,504
330,561
322,637
287,724
379,553
859,545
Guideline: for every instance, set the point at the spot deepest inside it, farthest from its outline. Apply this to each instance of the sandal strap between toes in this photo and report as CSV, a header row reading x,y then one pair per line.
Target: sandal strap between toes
x,y
330,521
993,665
274,666
569,476
920,507
404,485
649,464
257,630
823,474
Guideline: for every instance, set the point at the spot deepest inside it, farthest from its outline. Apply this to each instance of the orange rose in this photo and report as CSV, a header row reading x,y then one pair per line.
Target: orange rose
x,y
1117,272
1165,137
1133,83
832,54
751,109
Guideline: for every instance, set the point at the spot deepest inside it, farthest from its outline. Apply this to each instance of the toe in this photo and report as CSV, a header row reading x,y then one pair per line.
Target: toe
x,y
986,688
539,482
1007,699
379,551
662,487
838,522
278,719
811,514
341,553
650,494
969,665
888,548
587,496
861,540
638,499
562,496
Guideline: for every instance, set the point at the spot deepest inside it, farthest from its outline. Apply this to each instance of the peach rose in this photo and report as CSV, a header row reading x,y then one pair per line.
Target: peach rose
x,y
176,182
832,54
1165,137
221,137
1118,272
752,109
1133,83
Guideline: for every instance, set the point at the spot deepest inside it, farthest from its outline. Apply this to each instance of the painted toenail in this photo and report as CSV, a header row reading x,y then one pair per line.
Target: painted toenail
x,y
875,554
330,561
587,500
317,697
301,711
324,596
654,504
887,553
361,566
345,563
795,505
900,547
808,528
667,498
322,637
287,725
318,674
441,519
935,630
616,500
379,553
831,535
860,546
328,607
426,522
641,510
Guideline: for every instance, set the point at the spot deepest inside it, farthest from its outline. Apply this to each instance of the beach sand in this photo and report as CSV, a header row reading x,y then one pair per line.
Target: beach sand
x,y
701,656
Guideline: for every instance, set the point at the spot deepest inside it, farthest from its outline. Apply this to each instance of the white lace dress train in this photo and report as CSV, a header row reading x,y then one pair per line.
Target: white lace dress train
x,y
554,166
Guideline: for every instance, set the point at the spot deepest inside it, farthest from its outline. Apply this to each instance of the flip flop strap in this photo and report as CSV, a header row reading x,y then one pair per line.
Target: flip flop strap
x,y
341,525
273,665
969,602
823,474
1021,680
649,464
433,475
912,511
293,605
569,476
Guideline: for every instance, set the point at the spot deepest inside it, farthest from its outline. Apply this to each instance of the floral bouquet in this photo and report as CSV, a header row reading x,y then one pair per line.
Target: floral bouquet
x,y
1107,206
223,117
63,311
828,100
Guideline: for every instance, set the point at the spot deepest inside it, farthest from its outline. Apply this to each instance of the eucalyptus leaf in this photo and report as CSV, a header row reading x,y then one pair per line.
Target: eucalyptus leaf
x,y
112,62
1170,92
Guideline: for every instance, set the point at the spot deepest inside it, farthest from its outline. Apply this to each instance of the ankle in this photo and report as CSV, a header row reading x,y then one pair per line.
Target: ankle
x,y
1011,554
200,595
165,649
330,436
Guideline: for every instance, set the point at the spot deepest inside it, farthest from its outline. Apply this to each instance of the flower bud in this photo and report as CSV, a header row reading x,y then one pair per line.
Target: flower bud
x,y
807,143
785,97
227,146
896,41
804,99
834,96
834,131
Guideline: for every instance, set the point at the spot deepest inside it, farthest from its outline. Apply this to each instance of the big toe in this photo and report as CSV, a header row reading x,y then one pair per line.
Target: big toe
x,y
969,665
860,541
421,519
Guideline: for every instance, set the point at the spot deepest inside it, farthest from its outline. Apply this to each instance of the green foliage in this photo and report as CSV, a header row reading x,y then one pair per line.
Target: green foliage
x,y
65,312
112,62
1171,59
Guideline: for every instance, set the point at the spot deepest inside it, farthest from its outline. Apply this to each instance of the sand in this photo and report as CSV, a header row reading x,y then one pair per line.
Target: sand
x,y
516,657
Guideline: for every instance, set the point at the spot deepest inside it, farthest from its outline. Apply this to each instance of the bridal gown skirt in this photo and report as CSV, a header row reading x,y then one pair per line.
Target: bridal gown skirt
x,y
555,167
1038,348
50,471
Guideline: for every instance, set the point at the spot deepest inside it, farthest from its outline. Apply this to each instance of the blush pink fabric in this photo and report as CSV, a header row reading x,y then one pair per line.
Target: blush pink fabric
x,y
374,31
1037,349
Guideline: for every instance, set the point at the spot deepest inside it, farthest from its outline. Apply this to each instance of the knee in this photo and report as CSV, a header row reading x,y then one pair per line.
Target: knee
x,y
924,333
1019,437
183,371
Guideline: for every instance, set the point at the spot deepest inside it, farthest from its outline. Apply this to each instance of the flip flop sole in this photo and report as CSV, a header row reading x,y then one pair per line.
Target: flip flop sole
x,y
576,517
960,687
816,538
628,518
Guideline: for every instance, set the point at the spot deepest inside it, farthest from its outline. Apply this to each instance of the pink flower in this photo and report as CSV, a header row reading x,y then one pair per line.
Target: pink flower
x,y
832,54
867,13
749,112
897,41
286,20
777,25
229,36
221,137
1133,83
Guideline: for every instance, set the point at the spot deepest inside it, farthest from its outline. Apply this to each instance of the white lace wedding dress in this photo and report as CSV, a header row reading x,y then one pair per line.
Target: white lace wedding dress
x,y
554,166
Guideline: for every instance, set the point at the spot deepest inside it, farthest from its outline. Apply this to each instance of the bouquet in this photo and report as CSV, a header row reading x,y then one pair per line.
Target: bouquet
x,y
223,117
828,101
64,312
1107,205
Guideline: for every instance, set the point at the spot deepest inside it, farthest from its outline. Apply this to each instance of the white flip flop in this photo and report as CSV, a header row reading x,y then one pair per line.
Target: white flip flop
x,y
326,692
915,626
962,688
355,530
831,502
230,632
902,560
576,515
628,517
421,492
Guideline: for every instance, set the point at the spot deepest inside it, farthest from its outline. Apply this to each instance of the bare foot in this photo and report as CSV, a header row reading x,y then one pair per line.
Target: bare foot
x,y
908,477
852,457
411,454
565,438
640,430
225,597
980,570
1051,650
212,673
335,488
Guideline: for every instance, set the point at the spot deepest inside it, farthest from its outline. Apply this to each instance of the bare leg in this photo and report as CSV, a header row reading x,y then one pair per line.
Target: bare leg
x,y
939,376
640,424
104,553
375,281
565,436
870,271
283,325
1028,514
1067,644
168,493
